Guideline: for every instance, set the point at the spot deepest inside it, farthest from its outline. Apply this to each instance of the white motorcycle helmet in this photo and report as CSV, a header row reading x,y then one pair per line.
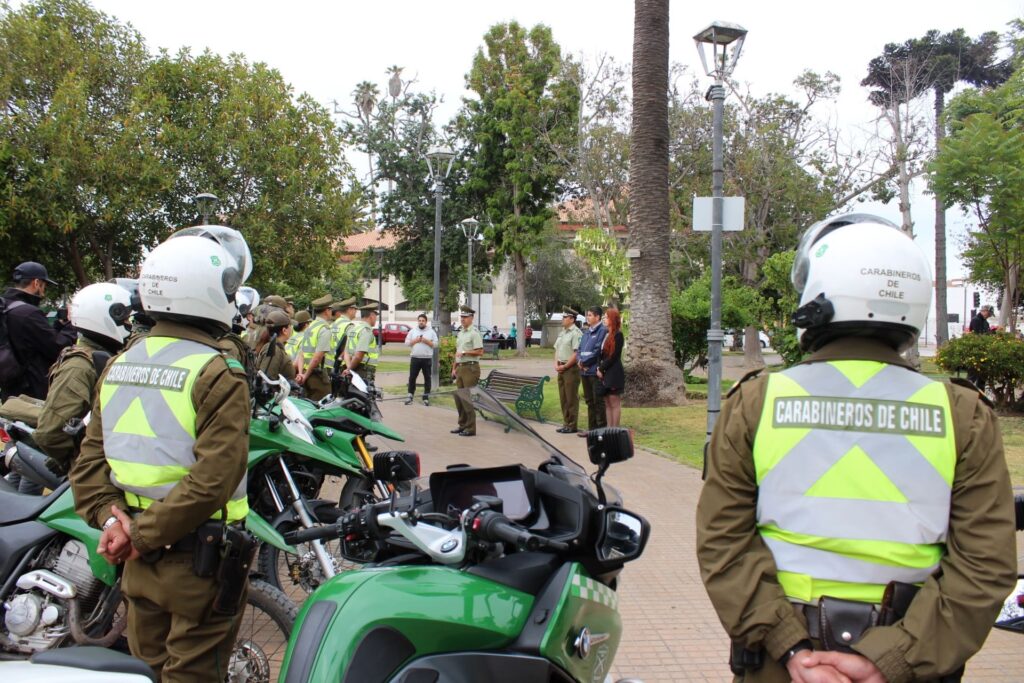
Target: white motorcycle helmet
x,y
860,275
102,309
196,274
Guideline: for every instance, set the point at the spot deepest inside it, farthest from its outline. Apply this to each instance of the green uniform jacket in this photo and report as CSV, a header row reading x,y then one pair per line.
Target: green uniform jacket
x,y
221,398
72,381
951,616
275,362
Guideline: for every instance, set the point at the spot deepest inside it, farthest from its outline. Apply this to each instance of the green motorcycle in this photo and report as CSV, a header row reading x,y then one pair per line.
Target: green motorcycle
x,y
57,591
501,574
294,444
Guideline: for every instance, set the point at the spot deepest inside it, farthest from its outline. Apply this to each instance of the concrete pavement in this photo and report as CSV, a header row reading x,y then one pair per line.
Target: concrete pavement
x,y
671,632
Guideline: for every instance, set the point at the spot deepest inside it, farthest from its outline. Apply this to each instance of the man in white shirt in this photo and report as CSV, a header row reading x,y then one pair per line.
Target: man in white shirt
x,y
422,339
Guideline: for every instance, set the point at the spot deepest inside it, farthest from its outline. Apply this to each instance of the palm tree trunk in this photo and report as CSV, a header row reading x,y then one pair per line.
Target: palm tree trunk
x,y
649,346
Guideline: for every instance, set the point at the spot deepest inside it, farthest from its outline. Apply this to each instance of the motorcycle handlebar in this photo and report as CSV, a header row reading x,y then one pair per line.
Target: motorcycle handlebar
x,y
359,521
314,534
494,526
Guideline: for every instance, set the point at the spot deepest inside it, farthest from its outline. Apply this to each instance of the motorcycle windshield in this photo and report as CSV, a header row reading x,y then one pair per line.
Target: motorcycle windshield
x,y
532,449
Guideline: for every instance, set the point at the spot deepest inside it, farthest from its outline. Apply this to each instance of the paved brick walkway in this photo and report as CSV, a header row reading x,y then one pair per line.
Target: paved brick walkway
x,y
671,631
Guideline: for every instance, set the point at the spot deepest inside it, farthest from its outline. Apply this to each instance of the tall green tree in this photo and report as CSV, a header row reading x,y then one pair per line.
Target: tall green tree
x,y
649,226
80,168
525,105
935,62
979,166
273,159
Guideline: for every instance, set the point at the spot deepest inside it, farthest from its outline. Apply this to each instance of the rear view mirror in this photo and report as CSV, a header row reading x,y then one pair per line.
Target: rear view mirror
x,y
396,466
609,445
623,537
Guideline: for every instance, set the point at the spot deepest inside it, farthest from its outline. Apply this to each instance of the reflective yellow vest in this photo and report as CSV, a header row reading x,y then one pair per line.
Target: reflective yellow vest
x,y
310,341
149,422
357,329
292,345
854,463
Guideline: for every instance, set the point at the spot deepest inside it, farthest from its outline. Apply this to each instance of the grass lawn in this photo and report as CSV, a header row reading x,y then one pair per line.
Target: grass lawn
x,y
679,431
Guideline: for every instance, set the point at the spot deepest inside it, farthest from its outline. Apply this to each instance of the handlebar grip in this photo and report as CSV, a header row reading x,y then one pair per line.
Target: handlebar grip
x,y
316,533
497,527
1018,506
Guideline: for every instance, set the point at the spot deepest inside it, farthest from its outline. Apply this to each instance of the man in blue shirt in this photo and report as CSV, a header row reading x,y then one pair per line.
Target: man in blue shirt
x,y
588,358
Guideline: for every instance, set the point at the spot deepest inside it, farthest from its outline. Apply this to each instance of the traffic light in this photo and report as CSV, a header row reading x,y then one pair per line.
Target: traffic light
x,y
977,300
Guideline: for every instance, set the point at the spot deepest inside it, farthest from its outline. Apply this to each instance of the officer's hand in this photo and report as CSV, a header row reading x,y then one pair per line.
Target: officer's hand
x,y
115,543
300,378
856,668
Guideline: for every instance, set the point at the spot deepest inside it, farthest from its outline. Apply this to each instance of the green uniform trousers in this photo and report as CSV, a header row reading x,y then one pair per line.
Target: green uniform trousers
x,y
596,419
317,385
569,396
170,623
467,375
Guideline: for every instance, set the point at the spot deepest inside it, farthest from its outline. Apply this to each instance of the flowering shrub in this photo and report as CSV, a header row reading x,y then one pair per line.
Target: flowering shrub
x,y
997,359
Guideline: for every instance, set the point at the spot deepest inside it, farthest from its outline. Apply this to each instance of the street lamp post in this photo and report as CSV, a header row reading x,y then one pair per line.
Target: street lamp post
x,y
379,251
439,163
207,204
717,38
470,226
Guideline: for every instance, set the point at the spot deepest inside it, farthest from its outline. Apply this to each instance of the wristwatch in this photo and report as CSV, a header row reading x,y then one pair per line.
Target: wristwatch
x,y
111,521
799,647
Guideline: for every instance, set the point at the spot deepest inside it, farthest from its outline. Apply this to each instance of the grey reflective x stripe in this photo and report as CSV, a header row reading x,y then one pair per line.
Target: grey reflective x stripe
x,y
781,500
172,443
829,566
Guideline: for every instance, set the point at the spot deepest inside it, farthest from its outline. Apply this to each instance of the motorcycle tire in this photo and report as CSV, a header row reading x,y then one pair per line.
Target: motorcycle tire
x,y
298,575
262,640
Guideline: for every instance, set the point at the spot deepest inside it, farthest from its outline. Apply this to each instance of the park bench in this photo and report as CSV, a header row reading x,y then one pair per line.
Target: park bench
x,y
525,392
491,348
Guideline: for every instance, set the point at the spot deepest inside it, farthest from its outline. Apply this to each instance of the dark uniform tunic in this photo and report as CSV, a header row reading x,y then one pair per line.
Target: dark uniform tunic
x,y
275,362
952,614
170,624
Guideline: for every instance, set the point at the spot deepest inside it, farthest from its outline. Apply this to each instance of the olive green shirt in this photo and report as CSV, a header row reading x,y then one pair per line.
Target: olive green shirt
x,y
468,340
221,399
567,344
274,361
72,381
952,614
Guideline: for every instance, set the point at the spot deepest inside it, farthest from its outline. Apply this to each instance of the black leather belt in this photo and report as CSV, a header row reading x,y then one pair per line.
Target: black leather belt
x,y
813,616
468,362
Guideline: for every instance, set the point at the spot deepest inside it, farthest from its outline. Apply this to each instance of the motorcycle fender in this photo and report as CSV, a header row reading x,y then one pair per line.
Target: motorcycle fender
x,y
61,517
371,426
418,610
264,531
263,443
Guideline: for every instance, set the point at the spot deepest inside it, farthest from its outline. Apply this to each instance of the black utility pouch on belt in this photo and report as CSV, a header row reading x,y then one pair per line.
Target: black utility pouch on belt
x,y
843,622
206,551
743,661
238,552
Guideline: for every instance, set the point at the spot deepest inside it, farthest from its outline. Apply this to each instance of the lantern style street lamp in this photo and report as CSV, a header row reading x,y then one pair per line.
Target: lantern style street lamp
x,y
722,42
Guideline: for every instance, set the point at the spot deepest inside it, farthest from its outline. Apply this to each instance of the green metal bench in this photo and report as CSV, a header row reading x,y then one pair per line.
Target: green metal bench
x,y
525,392
491,348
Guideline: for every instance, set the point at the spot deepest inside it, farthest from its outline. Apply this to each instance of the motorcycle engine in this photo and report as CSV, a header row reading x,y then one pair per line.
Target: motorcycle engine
x,y
35,616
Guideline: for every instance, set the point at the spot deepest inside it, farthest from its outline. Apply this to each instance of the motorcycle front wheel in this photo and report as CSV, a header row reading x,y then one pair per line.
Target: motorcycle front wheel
x,y
263,632
299,575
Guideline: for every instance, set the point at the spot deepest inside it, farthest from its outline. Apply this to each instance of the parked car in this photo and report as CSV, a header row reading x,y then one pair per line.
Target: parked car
x,y
394,333
730,336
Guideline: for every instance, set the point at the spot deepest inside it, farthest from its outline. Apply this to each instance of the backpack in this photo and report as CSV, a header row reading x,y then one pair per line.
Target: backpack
x,y
11,369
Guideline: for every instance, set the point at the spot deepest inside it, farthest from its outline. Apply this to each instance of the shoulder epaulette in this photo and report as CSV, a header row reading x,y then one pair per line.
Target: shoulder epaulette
x,y
750,375
968,384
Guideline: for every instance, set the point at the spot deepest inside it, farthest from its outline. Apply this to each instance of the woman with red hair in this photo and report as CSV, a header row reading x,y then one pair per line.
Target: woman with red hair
x,y
610,370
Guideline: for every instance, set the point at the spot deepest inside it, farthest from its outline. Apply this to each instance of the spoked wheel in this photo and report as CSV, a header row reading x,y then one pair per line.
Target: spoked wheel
x,y
263,633
299,575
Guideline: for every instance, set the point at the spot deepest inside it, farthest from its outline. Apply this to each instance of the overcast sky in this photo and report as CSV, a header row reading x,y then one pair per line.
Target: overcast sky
x,y
326,48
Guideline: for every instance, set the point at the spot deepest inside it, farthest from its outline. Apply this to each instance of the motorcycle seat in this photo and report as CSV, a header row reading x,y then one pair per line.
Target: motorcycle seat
x,y
19,507
94,659
526,572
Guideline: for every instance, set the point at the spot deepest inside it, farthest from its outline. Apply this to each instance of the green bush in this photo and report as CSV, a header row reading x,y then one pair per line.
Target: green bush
x,y
997,359
446,359
785,342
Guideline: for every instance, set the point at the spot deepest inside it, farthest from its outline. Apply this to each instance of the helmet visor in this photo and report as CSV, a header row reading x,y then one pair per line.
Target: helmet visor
x,y
229,238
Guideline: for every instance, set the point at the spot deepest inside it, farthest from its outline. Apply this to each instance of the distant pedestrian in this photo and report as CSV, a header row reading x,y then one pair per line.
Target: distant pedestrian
x,y
422,339
469,346
979,325
529,335
589,358
35,343
568,371
610,370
